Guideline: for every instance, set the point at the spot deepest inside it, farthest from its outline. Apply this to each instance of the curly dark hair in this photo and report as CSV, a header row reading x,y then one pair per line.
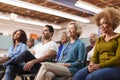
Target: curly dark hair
x,y
23,37
111,15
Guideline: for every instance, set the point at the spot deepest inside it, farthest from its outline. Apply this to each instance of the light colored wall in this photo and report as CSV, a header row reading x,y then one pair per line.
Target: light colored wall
x,y
88,29
5,42
8,27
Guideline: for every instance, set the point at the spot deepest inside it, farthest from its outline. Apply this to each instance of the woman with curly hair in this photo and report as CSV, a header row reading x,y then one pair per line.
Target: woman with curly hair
x,y
18,46
104,64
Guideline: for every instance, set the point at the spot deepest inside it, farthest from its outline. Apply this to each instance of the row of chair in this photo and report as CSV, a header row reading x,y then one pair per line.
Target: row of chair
x,y
27,77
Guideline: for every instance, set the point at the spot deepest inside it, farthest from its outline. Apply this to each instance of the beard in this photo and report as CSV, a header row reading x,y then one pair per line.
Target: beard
x,y
45,37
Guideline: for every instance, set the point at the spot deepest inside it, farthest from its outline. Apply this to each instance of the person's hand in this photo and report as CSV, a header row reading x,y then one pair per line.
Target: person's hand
x,y
28,66
1,60
96,66
91,67
4,59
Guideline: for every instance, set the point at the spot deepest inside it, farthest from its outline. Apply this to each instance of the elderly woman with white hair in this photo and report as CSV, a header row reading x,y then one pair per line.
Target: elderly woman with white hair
x,y
71,59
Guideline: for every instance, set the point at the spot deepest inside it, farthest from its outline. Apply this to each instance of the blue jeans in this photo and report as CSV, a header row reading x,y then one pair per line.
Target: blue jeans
x,y
9,73
110,73
14,65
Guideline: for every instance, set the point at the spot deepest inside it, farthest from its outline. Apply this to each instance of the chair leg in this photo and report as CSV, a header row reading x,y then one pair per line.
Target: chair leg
x,y
23,77
31,78
28,77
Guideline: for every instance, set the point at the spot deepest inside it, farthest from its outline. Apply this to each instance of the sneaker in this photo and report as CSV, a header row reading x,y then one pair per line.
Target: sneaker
x,y
2,67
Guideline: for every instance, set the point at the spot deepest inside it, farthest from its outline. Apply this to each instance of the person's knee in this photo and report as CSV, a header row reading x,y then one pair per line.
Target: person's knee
x,y
81,74
25,52
43,67
91,77
76,77
9,73
45,64
50,74
9,68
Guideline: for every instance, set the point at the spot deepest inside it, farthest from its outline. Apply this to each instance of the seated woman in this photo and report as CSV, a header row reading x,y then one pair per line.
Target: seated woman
x,y
18,46
71,58
105,64
64,40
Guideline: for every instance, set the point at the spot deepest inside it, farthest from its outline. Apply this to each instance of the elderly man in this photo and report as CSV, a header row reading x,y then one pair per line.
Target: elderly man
x,y
92,39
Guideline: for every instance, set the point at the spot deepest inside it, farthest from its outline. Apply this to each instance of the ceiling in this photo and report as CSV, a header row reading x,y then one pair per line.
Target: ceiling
x,y
61,5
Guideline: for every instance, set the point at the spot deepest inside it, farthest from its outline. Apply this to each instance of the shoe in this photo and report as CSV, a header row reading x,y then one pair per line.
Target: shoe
x,y
2,67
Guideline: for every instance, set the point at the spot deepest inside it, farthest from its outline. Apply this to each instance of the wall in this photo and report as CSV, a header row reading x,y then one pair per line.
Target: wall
x,y
8,27
5,42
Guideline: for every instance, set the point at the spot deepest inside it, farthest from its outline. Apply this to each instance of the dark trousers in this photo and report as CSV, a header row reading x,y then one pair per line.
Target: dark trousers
x,y
17,64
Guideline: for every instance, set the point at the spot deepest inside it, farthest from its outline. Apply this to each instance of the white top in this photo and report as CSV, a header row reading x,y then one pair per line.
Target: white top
x,y
90,54
31,49
41,48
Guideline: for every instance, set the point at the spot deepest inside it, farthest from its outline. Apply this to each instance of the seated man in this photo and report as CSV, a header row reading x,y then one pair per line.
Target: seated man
x,y
92,39
30,44
43,51
90,49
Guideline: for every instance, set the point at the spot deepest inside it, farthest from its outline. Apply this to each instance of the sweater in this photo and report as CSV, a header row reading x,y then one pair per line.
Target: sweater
x,y
75,56
107,54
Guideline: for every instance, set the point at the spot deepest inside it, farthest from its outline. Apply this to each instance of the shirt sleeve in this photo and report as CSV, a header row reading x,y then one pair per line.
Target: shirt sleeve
x,y
54,46
95,53
81,56
23,48
8,54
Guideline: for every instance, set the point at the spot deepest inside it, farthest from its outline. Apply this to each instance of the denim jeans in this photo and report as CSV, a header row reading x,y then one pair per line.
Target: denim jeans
x,y
110,73
14,65
9,73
